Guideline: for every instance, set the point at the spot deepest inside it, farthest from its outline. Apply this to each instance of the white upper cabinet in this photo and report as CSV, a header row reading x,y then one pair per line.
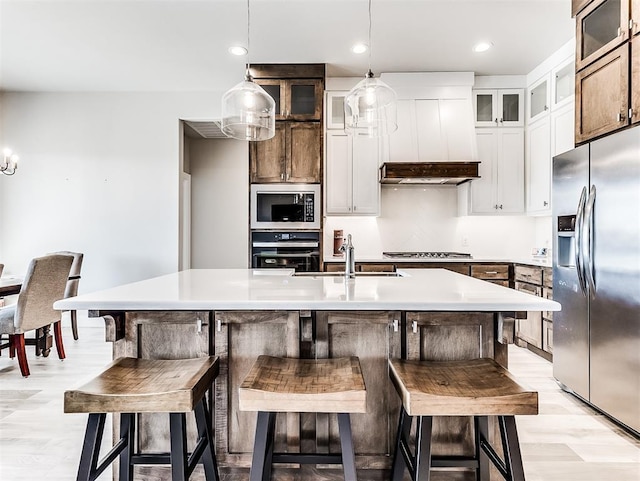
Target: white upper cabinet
x,y
334,109
539,167
539,99
563,84
550,129
339,159
500,188
351,186
498,107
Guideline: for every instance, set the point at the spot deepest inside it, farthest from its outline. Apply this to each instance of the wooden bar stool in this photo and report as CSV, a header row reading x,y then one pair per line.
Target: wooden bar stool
x,y
130,386
478,388
302,385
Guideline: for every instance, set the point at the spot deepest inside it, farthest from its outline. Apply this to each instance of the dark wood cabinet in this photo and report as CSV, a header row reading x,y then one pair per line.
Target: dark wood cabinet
x,y
634,111
294,154
600,27
602,95
578,5
529,279
375,337
240,337
607,66
296,99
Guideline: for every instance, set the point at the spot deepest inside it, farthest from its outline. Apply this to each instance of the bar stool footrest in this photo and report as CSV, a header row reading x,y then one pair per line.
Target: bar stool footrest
x,y
310,458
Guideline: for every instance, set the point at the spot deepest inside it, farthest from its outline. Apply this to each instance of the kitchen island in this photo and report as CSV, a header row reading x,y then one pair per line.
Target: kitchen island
x,y
430,314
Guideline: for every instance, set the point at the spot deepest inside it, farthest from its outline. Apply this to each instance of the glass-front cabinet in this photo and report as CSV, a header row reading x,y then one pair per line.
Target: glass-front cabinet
x,y
539,99
563,84
296,99
334,105
498,107
600,27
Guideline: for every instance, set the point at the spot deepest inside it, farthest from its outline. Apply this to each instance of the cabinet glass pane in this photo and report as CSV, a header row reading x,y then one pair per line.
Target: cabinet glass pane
x,y
484,107
337,110
303,99
274,91
510,108
539,99
564,83
600,27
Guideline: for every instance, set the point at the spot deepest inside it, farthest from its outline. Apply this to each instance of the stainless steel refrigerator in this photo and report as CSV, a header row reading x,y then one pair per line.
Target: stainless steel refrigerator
x,y
596,274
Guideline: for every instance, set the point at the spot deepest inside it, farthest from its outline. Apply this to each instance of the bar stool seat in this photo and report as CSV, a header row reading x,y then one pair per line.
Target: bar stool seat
x,y
302,385
130,386
479,388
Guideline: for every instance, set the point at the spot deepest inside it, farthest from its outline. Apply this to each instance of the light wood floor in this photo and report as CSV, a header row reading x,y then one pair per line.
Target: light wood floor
x,y
567,441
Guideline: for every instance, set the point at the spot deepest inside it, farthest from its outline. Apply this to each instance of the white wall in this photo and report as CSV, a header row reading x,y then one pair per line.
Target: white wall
x,y
99,174
424,218
219,203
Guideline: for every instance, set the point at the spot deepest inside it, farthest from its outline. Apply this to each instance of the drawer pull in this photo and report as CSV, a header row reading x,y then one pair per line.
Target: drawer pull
x,y
491,272
395,325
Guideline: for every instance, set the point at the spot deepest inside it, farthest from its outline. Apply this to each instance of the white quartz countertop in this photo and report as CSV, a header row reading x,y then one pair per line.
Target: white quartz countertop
x,y
279,289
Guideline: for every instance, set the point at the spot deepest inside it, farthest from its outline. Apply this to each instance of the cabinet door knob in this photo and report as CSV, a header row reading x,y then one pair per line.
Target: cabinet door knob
x,y
414,327
620,117
545,203
496,120
282,176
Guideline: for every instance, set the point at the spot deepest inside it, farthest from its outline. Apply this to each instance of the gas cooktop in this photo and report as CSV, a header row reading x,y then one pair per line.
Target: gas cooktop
x,y
427,255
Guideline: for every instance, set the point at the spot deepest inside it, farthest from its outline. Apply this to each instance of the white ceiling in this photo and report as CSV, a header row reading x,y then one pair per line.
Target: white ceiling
x,y
173,45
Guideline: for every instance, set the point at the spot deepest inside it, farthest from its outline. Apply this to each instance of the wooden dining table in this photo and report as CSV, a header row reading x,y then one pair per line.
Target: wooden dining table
x,y
10,285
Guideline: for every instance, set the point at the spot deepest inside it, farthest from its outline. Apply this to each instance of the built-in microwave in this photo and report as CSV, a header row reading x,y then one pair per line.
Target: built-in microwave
x,y
285,206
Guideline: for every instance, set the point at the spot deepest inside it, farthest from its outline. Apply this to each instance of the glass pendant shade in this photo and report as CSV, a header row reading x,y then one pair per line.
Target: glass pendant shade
x,y
248,112
370,108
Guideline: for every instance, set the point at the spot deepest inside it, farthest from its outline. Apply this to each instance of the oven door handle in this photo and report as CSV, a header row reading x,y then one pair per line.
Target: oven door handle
x,y
286,244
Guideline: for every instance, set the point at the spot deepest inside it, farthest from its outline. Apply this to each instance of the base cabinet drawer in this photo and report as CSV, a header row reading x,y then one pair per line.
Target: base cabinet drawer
x,y
490,271
530,274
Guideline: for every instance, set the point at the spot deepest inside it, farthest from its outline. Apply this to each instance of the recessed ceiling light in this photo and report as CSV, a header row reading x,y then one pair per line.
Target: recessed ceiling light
x,y
359,48
482,46
238,50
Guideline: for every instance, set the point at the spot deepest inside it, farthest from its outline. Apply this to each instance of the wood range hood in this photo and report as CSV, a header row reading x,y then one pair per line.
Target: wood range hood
x,y
431,172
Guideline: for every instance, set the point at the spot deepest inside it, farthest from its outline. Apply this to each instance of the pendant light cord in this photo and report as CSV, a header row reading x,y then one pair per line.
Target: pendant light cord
x,y
248,75
369,36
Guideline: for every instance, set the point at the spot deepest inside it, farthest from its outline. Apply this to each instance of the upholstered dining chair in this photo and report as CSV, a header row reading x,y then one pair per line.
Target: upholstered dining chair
x,y
44,283
72,285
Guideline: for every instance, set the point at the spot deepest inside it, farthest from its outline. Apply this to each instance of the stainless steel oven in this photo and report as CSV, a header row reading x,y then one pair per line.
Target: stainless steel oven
x,y
293,250
285,206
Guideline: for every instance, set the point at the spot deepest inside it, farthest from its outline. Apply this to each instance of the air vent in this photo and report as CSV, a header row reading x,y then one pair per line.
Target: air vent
x,y
206,130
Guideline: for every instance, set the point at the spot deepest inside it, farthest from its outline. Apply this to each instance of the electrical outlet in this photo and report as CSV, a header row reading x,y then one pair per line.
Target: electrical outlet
x,y
465,241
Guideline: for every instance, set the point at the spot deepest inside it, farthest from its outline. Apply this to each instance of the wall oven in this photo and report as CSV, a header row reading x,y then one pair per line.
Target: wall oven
x,y
293,250
285,206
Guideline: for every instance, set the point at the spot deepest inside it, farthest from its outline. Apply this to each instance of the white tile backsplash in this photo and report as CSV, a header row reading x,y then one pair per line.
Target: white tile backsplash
x,y
424,218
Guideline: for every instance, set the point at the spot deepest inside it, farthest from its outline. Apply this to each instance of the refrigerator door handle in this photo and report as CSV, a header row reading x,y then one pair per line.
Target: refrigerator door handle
x,y
588,240
578,241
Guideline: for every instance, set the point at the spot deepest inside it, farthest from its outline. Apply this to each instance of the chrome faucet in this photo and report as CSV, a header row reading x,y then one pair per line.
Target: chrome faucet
x,y
349,258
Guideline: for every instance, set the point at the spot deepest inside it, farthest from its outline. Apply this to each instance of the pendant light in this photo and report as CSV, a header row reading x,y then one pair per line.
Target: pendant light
x,y
370,107
248,111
